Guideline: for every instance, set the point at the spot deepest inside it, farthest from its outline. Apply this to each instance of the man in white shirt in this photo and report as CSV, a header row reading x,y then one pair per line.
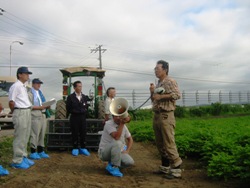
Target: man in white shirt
x,y
111,93
115,144
38,122
20,107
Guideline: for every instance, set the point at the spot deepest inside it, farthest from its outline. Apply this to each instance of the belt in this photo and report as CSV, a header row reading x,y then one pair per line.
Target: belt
x,y
22,108
160,111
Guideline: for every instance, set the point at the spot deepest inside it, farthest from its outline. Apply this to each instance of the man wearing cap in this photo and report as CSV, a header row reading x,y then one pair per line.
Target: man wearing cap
x,y
20,107
38,121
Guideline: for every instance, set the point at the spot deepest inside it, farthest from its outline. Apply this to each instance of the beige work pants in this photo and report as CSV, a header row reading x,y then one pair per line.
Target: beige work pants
x,y
164,129
22,125
38,129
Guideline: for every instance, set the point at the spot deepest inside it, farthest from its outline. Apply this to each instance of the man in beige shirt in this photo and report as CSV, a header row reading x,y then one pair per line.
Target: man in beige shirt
x,y
164,120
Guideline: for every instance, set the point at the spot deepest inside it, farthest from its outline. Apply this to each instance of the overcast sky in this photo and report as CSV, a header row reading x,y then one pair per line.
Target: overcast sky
x,y
206,42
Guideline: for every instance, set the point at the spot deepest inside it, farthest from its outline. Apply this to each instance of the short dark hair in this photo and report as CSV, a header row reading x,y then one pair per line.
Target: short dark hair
x,y
165,65
76,82
107,92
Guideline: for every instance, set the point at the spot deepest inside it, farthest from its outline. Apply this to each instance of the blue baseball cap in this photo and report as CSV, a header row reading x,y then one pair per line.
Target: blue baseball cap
x,y
23,70
37,81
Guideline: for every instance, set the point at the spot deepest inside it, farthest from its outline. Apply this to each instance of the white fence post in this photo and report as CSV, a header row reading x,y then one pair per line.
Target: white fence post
x,y
248,97
197,97
220,97
183,98
133,98
230,97
209,97
190,98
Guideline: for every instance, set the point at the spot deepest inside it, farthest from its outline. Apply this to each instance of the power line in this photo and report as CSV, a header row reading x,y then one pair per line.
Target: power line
x,y
100,50
37,30
141,73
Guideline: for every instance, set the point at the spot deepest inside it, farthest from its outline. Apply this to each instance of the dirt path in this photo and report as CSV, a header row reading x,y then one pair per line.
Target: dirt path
x,y
64,170
6,132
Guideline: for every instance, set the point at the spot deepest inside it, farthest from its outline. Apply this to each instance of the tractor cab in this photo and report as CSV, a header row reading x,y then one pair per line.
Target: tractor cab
x,y
96,106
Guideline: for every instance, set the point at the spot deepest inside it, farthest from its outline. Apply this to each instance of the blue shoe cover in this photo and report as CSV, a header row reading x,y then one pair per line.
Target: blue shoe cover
x,y
3,171
43,155
28,161
75,152
84,152
21,165
34,156
114,171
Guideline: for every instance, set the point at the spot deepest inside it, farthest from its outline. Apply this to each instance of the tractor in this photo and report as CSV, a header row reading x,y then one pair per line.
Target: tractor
x,y
59,135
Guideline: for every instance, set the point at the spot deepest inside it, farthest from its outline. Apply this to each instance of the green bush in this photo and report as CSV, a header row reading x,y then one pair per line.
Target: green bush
x,y
246,107
143,114
197,112
221,166
216,109
141,130
235,164
180,112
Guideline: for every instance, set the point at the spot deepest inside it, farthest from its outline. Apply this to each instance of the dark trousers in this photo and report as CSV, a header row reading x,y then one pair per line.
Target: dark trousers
x,y
78,129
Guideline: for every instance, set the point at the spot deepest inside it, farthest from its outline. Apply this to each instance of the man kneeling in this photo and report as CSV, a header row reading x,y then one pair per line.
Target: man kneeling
x,y
113,147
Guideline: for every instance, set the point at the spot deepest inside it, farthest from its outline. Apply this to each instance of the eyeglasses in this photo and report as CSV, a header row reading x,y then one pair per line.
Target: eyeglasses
x,y
157,68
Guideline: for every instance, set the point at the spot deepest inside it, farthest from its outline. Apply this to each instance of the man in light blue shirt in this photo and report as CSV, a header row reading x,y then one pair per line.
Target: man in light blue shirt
x,y
38,122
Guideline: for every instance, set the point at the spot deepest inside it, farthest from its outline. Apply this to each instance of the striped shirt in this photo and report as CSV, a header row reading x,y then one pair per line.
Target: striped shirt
x,y
171,87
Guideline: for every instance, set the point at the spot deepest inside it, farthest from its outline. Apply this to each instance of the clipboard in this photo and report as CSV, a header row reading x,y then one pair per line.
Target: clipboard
x,y
49,103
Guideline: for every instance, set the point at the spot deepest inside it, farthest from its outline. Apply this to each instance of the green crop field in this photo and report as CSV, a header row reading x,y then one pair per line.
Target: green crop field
x,y
222,144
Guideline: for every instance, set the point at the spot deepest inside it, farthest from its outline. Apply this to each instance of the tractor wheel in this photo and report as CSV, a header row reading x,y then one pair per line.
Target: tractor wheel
x,y
101,109
61,112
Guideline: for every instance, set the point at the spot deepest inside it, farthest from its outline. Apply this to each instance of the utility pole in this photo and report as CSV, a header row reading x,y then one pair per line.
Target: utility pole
x,y
100,50
21,43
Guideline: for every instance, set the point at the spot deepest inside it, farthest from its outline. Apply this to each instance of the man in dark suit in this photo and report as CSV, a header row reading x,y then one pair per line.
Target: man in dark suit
x,y
77,107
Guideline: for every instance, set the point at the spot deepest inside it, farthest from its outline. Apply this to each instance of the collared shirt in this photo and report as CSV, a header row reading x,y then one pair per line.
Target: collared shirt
x,y
37,101
79,96
171,87
107,105
111,126
18,94
74,106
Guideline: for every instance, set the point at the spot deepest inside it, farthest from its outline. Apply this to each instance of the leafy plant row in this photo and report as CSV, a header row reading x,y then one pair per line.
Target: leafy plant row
x,y
215,109
222,144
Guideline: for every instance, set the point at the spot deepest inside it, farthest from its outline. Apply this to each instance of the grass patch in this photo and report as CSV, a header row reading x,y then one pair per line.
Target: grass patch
x,y
6,151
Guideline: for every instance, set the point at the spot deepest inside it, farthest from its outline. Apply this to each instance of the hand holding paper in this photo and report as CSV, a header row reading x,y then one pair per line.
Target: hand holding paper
x,y
49,103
